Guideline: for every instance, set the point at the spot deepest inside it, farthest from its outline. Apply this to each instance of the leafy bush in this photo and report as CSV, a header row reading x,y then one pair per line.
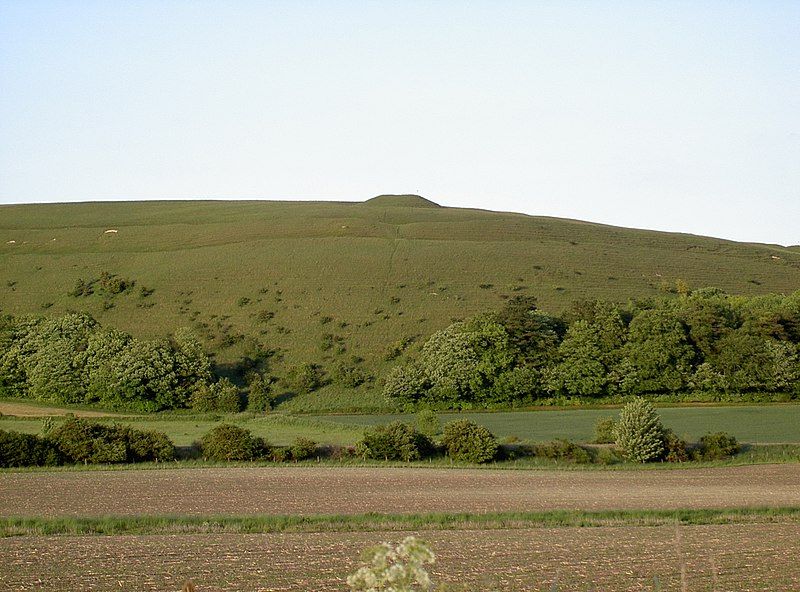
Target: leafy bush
x,y
564,450
228,442
675,449
394,441
639,432
148,445
26,450
605,430
467,441
303,448
79,440
279,455
717,446
607,456
391,568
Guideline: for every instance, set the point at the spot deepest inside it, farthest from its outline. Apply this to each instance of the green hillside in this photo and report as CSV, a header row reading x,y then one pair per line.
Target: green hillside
x,y
323,281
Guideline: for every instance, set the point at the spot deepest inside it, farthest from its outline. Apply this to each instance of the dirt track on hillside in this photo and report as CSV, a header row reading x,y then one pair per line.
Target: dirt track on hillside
x,y
340,490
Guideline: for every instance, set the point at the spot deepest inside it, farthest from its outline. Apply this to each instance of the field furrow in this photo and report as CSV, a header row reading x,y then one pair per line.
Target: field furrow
x,y
341,490
715,557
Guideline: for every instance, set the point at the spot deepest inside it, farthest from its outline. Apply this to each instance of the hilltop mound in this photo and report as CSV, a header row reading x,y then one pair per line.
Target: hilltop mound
x,y
405,200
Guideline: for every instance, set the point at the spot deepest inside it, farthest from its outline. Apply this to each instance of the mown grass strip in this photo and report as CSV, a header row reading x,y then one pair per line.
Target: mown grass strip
x,y
152,525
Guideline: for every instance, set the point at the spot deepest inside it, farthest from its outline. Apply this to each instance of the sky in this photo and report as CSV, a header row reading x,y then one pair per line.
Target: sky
x,y
679,116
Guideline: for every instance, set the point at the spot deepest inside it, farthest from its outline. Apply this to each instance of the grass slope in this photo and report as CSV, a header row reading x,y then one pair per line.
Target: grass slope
x,y
366,274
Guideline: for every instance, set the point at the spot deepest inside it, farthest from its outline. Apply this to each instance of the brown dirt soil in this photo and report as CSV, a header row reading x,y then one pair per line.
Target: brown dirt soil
x,y
25,410
720,557
341,490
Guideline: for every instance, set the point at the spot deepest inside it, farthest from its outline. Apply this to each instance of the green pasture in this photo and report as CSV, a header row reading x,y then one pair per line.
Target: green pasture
x,y
764,424
277,429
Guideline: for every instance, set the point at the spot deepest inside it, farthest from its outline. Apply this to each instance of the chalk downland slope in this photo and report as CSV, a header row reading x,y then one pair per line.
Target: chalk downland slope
x,y
323,282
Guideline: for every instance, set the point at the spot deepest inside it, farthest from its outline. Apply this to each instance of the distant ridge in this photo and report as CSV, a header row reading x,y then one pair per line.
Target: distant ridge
x,y
404,200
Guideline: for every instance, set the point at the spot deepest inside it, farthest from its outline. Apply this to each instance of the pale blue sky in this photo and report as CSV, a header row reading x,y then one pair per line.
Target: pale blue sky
x,y
674,116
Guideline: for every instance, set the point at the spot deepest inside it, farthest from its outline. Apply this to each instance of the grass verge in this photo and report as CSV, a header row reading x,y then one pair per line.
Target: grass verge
x,y
152,525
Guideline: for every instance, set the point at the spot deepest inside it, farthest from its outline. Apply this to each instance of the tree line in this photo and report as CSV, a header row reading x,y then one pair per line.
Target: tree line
x,y
72,359
704,341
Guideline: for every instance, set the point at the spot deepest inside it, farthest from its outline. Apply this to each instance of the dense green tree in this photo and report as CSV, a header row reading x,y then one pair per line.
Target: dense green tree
x,y
533,334
589,354
462,361
518,385
658,352
405,385
259,393
709,315
580,371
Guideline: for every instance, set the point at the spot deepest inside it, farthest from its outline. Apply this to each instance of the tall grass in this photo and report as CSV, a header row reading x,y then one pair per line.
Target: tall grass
x,y
140,525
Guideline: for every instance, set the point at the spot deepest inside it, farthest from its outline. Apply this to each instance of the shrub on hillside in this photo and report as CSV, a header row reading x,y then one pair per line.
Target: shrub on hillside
x,y
717,446
83,441
228,442
349,375
305,378
394,441
259,395
639,432
467,441
27,450
222,396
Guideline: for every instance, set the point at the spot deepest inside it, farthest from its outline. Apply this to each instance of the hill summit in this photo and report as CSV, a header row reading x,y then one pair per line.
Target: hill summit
x,y
404,200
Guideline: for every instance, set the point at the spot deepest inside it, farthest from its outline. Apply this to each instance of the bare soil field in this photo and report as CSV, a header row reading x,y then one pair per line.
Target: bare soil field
x,y
720,557
343,490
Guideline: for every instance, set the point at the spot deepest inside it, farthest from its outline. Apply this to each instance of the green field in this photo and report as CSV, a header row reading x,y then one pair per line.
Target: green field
x,y
277,429
756,424
766,424
322,282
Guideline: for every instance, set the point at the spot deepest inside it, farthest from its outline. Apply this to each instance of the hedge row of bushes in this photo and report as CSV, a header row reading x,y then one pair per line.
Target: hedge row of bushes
x,y
81,441
461,440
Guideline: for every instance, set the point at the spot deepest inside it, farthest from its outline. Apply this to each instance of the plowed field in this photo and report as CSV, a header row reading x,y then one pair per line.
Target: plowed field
x,y
337,490
721,557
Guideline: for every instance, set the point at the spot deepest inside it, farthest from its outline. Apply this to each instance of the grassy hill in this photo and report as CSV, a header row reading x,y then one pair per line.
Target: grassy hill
x,y
323,281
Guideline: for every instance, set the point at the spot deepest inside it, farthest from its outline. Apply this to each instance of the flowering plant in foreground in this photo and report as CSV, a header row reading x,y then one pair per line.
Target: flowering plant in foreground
x,y
394,569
